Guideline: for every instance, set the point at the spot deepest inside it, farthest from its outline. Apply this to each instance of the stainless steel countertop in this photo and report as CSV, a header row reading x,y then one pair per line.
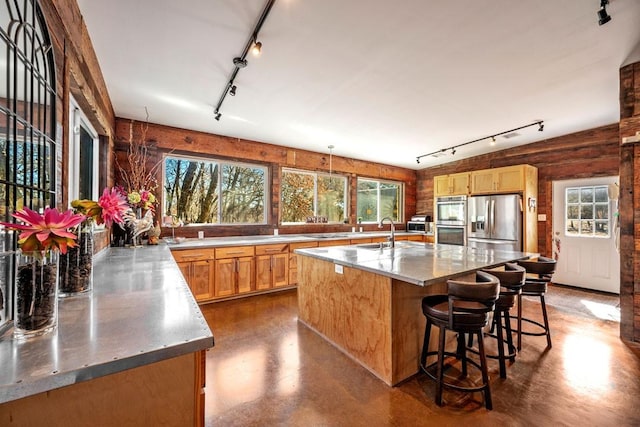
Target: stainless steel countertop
x,y
139,312
266,239
414,262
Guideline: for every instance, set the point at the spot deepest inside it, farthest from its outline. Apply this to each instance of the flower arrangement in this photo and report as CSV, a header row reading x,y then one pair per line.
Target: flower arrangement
x,y
110,207
141,199
48,231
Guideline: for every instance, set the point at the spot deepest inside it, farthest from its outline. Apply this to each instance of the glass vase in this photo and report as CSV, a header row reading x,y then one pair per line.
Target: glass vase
x,y
76,266
36,293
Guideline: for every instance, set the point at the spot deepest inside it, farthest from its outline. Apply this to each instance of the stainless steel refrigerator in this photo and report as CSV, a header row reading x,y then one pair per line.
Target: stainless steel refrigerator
x,y
495,222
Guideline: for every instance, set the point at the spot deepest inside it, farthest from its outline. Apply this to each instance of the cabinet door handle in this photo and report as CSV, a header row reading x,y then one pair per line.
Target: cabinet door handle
x,y
235,253
192,256
272,250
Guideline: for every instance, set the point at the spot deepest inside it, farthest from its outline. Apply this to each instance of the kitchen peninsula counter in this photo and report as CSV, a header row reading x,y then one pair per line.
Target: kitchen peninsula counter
x,y
132,349
366,300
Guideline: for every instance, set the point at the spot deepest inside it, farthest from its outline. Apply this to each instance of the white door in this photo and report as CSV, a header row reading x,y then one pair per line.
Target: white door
x,y
584,233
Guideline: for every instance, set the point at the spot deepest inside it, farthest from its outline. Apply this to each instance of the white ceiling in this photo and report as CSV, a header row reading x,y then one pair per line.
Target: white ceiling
x,y
381,80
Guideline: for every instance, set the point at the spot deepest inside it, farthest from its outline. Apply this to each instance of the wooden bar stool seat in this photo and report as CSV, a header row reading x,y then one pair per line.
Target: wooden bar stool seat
x,y
539,274
464,310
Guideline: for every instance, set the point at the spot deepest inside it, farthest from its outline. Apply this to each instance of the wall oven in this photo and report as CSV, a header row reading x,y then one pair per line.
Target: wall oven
x,y
451,210
451,235
451,216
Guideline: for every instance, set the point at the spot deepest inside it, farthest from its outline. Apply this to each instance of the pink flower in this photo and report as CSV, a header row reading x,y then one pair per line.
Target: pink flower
x,y
48,231
113,205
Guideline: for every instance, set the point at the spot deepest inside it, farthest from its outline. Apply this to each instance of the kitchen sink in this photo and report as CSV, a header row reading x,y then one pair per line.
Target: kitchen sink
x,y
385,245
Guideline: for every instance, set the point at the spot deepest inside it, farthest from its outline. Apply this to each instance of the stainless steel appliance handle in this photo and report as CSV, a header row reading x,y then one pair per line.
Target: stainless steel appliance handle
x,y
493,217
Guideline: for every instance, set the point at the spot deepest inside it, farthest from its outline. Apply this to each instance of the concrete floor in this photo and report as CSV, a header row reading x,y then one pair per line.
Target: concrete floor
x,y
267,369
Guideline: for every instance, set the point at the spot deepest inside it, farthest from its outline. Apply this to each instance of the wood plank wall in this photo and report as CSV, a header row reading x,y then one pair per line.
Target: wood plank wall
x,y
78,73
164,139
630,204
590,153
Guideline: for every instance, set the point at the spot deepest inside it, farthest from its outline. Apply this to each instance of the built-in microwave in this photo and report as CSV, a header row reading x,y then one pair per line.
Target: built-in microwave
x,y
451,210
420,224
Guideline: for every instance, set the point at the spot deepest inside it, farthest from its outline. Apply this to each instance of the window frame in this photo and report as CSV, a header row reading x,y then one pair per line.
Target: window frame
x,y
221,162
77,120
315,175
400,217
579,204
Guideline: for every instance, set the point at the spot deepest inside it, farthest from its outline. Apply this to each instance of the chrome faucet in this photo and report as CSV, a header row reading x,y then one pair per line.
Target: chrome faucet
x,y
392,237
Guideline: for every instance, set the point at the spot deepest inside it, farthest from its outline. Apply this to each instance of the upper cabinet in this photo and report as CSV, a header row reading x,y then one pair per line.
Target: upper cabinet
x,y
456,184
499,180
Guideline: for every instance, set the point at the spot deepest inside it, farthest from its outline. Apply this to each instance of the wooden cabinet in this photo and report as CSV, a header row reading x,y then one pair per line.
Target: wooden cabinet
x,y
272,266
234,271
293,259
508,179
197,268
451,185
334,242
429,239
415,238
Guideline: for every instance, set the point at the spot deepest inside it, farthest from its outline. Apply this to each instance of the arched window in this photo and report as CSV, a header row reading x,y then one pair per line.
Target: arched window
x,y
27,124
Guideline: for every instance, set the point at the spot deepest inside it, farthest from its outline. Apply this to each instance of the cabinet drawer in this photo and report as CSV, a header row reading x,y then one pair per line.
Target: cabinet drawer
x,y
334,243
302,245
193,254
272,249
234,252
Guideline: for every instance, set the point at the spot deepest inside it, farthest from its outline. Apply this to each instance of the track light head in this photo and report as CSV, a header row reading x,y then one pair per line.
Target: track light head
x,y
453,151
256,49
418,160
218,115
603,16
232,92
540,127
239,62
493,141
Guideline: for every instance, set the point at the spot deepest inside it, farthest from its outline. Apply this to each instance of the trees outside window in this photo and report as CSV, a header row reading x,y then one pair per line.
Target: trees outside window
x,y
308,194
379,199
206,191
587,213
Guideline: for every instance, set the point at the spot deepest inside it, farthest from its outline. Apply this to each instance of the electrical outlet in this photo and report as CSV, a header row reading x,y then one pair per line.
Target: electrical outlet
x,y
339,269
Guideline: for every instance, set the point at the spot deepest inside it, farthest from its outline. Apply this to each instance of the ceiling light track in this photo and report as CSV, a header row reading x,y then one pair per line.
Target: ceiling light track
x,y
240,62
539,123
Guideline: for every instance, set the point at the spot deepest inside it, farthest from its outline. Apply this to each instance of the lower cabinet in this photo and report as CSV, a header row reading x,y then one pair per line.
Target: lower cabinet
x,y
272,266
235,271
293,259
197,268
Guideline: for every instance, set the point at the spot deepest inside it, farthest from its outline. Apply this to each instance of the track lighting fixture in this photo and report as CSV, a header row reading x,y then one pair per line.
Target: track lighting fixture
x,y
240,62
603,16
442,151
256,49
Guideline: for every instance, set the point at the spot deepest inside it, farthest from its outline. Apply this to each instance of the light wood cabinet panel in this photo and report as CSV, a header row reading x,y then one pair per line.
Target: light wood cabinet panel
x,y
234,252
416,238
201,281
246,275
451,185
360,241
280,270
225,283
429,239
293,259
498,180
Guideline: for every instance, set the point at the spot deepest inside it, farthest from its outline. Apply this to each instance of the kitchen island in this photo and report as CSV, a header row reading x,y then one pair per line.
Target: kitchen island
x,y
366,299
131,352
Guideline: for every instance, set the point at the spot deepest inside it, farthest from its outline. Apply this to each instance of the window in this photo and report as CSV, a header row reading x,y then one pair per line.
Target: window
x,y
379,199
84,155
209,191
307,195
587,213
27,127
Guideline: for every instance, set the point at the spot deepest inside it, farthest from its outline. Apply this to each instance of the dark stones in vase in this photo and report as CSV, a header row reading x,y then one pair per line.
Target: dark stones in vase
x,y
76,266
35,296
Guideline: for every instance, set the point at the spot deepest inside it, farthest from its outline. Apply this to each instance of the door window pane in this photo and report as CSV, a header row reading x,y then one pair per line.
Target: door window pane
x,y
587,211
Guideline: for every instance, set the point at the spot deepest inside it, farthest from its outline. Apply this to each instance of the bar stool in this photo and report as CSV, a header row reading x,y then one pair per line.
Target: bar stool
x,y
465,310
539,273
512,280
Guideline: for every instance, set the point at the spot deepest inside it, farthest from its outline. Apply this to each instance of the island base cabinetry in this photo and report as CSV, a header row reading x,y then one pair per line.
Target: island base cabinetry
x,y
376,320
169,393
